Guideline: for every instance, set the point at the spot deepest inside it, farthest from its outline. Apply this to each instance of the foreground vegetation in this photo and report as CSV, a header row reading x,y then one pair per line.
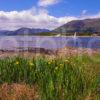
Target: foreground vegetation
x,y
67,78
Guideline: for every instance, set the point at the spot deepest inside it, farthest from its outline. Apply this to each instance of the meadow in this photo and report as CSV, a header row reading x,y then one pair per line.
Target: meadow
x,y
59,78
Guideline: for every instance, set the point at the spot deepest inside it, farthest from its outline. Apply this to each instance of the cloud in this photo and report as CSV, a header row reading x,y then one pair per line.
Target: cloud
x,y
35,18
90,16
45,3
84,12
32,18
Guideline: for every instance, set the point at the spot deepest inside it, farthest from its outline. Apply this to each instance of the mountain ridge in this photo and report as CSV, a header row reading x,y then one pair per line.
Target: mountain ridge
x,y
24,31
82,27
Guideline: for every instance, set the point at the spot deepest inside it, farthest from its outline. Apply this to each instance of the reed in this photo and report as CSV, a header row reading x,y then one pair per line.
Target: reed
x,y
69,78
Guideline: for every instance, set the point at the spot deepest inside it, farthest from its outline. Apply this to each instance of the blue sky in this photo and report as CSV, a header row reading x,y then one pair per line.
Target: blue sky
x,y
75,7
62,8
48,14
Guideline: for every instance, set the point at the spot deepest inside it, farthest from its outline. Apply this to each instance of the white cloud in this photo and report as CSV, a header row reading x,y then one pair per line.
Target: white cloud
x,y
84,12
47,2
31,18
90,16
35,18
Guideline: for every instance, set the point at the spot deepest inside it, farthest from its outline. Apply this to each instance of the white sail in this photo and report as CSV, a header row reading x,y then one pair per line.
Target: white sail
x,y
75,35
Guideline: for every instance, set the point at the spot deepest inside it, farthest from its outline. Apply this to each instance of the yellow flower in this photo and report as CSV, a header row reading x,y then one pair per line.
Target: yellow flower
x,y
49,63
61,65
31,64
17,63
74,64
66,60
56,68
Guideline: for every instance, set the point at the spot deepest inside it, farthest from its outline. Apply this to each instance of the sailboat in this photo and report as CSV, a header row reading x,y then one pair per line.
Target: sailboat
x,y
58,35
75,35
75,39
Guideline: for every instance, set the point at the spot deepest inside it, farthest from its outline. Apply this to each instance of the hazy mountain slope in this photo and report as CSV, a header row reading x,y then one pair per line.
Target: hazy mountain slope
x,y
80,26
24,31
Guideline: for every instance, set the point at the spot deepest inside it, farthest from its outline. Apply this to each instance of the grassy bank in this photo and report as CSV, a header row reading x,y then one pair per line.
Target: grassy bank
x,y
70,78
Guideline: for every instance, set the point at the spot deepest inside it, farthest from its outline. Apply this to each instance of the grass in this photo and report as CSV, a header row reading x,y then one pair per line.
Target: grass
x,y
69,78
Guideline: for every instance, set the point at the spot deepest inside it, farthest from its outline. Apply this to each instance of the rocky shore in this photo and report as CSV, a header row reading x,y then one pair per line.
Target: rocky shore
x,y
66,51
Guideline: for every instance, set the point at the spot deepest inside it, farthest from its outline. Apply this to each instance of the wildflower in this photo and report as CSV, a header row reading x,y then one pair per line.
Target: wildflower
x,y
74,64
66,60
49,62
61,65
56,68
68,57
71,63
31,64
17,63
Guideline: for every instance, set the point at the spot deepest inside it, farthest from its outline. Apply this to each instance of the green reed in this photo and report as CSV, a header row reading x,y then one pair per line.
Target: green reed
x,y
69,78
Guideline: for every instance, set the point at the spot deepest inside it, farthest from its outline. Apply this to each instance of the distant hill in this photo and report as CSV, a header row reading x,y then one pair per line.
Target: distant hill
x,y
82,27
4,32
24,31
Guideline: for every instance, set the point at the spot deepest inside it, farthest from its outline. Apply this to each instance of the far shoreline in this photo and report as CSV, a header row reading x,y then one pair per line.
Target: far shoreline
x,y
44,36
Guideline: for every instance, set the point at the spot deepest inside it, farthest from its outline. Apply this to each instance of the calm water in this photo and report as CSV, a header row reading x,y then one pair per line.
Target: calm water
x,y
23,42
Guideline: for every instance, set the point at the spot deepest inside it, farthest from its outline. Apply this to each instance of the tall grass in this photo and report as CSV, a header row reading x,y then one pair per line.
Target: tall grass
x,y
68,78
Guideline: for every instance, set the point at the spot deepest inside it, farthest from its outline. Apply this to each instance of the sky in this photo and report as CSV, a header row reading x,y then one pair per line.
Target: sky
x,y
48,14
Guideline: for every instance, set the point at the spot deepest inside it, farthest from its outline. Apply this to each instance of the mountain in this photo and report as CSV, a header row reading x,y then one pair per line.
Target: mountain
x,y
81,27
29,31
4,32
23,31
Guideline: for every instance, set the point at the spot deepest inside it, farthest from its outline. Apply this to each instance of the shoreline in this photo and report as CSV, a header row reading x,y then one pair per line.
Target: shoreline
x,y
47,36
66,51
